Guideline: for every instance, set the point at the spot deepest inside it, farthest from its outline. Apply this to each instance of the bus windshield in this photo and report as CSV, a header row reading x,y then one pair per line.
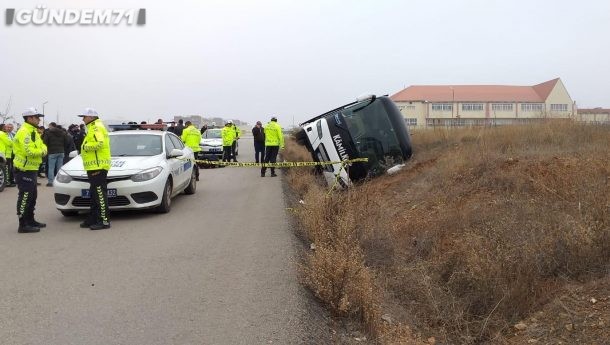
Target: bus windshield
x,y
373,135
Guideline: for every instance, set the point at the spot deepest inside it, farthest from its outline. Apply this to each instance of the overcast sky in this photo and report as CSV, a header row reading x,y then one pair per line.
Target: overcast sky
x,y
294,59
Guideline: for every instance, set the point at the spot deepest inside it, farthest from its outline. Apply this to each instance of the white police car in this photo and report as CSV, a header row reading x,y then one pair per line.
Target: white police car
x,y
148,168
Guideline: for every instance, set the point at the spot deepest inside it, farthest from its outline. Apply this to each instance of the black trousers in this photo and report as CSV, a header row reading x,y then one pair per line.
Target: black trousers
x,y
259,150
44,167
26,198
226,153
98,191
270,157
233,151
10,172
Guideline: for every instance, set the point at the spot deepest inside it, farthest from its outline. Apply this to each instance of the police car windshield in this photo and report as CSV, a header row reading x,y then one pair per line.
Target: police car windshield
x,y
373,135
135,145
212,134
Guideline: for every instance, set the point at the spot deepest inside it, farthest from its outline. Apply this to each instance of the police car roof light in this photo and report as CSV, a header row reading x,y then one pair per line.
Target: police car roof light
x,y
135,126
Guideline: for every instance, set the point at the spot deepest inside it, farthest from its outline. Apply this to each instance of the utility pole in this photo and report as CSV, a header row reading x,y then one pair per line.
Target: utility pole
x,y
45,102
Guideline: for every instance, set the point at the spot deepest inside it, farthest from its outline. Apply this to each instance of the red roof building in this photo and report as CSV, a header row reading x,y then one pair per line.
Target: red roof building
x,y
463,105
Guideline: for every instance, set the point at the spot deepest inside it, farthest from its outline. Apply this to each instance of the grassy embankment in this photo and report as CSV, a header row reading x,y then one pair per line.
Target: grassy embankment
x,y
481,228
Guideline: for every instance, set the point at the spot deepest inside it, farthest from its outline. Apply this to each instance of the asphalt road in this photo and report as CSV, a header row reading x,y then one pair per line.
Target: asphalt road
x,y
220,268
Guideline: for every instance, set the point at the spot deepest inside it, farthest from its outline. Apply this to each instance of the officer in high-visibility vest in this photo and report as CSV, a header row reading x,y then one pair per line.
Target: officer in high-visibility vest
x,y
228,138
191,138
6,149
29,151
274,141
8,128
234,144
95,152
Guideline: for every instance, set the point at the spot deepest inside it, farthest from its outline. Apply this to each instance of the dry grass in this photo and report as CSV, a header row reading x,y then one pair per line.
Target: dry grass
x,y
481,228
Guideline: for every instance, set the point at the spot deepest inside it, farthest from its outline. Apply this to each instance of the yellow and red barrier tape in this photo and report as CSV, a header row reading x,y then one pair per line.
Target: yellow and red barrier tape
x,y
279,164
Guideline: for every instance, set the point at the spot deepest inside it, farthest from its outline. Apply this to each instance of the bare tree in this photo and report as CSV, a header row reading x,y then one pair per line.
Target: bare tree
x,y
4,116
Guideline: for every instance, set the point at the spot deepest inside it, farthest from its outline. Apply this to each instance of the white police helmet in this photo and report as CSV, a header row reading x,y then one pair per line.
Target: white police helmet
x,y
89,112
31,112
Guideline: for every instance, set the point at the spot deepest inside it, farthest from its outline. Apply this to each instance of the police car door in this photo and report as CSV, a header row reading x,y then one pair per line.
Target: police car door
x,y
180,168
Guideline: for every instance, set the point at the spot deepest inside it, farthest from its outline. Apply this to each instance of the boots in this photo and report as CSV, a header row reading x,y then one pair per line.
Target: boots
x,y
39,224
24,227
99,226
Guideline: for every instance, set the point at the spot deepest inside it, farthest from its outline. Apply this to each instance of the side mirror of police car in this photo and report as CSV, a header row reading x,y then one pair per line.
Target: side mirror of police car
x,y
175,153
73,154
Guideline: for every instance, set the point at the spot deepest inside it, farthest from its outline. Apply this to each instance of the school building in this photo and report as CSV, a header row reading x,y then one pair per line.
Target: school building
x,y
478,105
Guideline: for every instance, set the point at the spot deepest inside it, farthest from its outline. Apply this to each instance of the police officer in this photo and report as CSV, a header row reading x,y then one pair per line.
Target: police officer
x,y
228,138
191,138
6,148
95,152
29,151
234,144
274,140
8,128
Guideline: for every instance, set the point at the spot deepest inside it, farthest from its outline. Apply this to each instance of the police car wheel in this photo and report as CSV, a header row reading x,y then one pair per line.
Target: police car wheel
x,y
166,199
192,187
2,178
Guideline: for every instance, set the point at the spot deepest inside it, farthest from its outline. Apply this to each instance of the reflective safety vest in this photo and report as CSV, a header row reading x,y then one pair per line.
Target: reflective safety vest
x,y
274,135
191,138
28,148
95,150
6,145
228,135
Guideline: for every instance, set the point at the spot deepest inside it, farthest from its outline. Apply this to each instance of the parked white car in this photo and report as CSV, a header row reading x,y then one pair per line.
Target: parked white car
x,y
148,169
211,145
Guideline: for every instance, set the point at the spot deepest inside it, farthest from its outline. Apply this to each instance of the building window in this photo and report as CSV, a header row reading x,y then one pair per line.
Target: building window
x,y
442,107
502,107
411,121
472,107
531,107
406,107
559,107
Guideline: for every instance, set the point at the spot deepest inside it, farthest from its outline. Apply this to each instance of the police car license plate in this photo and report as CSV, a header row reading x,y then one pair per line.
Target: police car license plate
x,y
215,149
85,193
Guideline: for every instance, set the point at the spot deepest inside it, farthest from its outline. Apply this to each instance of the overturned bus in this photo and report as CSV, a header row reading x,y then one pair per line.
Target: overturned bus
x,y
371,127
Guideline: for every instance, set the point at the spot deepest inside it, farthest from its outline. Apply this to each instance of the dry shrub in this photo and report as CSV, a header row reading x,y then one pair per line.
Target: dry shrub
x,y
483,226
504,219
300,179
294,152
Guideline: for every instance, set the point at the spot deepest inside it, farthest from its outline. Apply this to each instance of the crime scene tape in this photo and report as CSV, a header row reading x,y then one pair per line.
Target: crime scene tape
x,y
279,164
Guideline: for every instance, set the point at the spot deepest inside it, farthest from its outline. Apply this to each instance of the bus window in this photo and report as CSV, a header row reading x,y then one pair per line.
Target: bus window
x,y
375,138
